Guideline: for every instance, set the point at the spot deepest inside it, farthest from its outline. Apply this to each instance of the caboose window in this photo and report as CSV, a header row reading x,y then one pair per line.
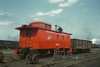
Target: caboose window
x,y
30,25
62,37
67,38
45,26
57,37
29,33
42,25
49,27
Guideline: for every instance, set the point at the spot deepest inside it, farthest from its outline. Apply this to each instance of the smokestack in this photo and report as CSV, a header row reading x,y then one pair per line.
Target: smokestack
x,y
55,27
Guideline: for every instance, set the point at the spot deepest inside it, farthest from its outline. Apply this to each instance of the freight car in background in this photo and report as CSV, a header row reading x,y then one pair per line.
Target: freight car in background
x,y
80,46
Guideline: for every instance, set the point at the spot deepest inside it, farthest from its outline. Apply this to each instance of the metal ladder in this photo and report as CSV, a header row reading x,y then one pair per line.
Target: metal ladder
x,y
58,53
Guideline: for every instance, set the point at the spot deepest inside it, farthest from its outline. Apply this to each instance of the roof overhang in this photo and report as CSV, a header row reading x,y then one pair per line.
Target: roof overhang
x,y
24,27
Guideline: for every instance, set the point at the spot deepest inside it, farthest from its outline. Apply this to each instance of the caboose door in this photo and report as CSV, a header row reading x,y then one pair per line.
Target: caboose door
x,y
28,37
25,35
31,40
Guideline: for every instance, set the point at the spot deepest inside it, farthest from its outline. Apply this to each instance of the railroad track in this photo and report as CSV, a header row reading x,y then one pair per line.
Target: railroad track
x,y
64,61
72,62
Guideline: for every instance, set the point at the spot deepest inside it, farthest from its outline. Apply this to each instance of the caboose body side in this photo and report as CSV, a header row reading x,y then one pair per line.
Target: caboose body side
x,y
40,36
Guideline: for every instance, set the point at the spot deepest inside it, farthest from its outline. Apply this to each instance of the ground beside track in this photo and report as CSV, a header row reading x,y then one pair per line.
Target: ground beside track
x,y
91,63
77,60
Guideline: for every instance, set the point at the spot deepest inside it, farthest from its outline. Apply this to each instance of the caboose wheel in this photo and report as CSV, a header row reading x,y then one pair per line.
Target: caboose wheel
x,y
1,56
35,59
29,59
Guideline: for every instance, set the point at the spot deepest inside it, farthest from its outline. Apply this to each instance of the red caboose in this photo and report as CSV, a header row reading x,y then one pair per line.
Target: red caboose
x,y
39,36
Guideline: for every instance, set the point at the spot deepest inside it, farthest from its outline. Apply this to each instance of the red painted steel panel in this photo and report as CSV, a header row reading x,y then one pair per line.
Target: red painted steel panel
x,y
53,42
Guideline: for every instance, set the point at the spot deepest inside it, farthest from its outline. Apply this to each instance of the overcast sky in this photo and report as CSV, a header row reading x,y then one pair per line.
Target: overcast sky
x,y
79,17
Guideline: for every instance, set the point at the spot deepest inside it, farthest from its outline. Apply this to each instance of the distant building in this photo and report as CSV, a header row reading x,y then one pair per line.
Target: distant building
x,y
98,45
95,45
8,44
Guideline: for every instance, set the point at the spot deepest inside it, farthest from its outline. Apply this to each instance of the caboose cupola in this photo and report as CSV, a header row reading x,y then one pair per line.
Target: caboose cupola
x,y
36,25
41,25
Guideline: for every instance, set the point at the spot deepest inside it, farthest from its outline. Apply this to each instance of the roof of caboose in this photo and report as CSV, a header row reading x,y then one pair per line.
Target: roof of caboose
x,y
79,39
40,22
31,27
